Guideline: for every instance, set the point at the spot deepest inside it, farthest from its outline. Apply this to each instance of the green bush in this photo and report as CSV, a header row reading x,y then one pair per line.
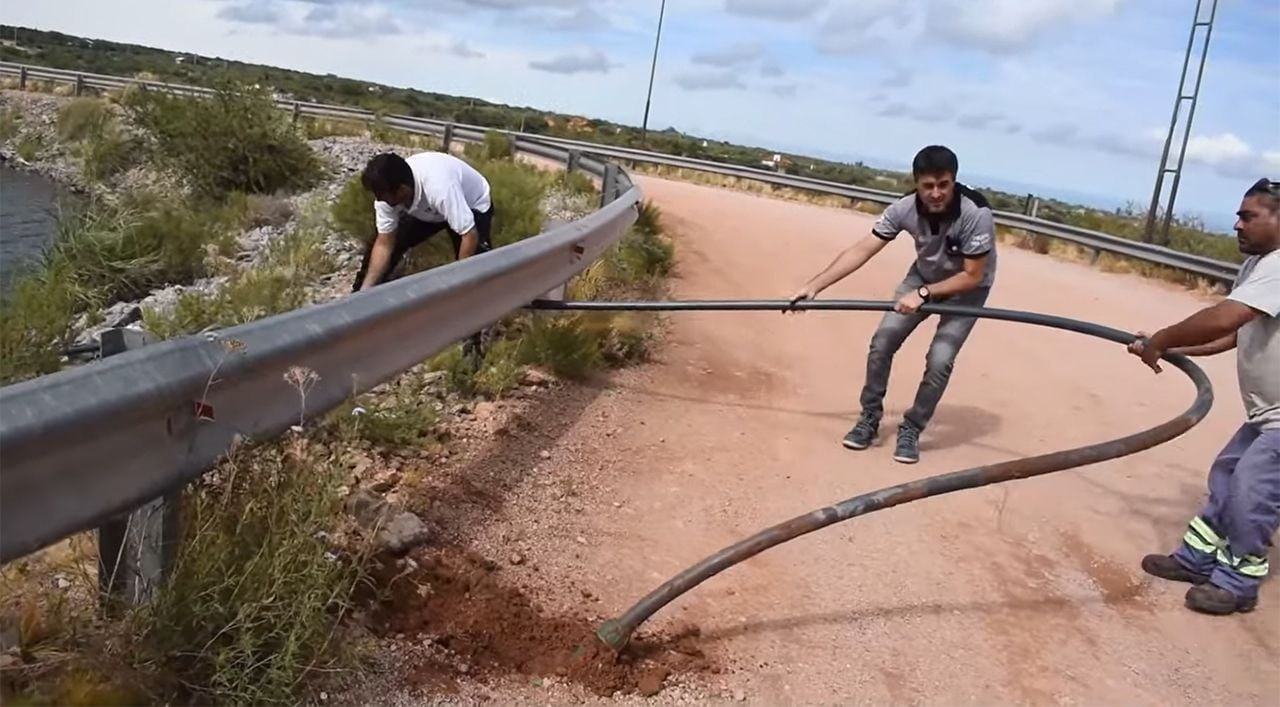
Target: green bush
x,y
83,118
107,154
122,252
234,140
569,344
352,212
257,590
29,146
10,124
517,191
278,284
497,146
35,325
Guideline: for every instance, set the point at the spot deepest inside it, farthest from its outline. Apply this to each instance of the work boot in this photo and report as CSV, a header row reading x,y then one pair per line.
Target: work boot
x,y
1166,567
908,449
1212,599
863,433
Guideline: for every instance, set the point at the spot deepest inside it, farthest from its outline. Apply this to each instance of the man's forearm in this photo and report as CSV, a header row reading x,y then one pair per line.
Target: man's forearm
x,y
468,244
1226,343
379,259
846,263
1204,327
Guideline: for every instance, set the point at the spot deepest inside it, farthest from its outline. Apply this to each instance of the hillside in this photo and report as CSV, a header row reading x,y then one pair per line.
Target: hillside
x,y
71,52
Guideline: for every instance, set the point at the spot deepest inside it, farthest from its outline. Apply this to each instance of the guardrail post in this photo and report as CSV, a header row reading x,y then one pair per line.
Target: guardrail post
x,y
572,161
1035,206
609,185
448,137
135,550
22,78
79,84
297,111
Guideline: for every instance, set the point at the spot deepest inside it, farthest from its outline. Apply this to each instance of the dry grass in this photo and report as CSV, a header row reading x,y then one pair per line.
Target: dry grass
x,y
739,184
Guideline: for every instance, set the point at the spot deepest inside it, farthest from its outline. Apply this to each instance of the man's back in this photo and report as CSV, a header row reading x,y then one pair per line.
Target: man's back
x,y
1258,342
437,172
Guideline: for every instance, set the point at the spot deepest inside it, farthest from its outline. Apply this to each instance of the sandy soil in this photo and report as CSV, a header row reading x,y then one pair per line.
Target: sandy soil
x,y
1028,592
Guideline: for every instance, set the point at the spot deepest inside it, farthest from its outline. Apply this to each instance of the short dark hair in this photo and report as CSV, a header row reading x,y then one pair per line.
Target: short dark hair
x,y
385,172
935,159
1268,191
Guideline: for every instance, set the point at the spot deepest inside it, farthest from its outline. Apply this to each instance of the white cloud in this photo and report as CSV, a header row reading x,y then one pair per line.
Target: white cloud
x,y
782,10
1216,150
460,49
1271,162
732,55
708,80
590,61
1002,26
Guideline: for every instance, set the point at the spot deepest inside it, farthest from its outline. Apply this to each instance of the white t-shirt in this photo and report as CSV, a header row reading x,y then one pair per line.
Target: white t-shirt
x,y
1258,342
445,189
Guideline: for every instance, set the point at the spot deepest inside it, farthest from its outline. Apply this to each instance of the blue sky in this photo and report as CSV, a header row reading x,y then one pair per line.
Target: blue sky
x,y
1072,96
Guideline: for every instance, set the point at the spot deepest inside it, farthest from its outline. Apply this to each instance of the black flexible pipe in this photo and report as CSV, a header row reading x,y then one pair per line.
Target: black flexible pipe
x,y
617,632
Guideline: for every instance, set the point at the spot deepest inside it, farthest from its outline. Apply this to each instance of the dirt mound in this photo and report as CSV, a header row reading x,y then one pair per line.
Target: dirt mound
x,y
485,628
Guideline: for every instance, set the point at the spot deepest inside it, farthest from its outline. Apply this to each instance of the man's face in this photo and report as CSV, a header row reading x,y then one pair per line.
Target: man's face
x,y
1257,226
402,196
935,191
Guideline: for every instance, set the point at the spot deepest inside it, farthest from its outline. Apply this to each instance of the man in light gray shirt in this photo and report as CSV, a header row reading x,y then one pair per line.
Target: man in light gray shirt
x,y
1224,550
955,263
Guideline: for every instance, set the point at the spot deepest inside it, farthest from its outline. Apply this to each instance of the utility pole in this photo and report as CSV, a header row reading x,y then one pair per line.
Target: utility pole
x,y
1149,234
644,128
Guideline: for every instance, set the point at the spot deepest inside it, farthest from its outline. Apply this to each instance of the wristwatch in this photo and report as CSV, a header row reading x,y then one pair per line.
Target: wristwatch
x,y
923,291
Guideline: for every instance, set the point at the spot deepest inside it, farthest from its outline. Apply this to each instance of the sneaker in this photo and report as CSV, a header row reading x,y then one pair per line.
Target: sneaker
x,y
862,434
908,449
1166,567
1212,599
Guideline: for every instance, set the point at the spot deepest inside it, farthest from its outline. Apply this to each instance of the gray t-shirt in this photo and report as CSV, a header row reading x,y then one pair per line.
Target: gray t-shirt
x,y
965,230
1258,342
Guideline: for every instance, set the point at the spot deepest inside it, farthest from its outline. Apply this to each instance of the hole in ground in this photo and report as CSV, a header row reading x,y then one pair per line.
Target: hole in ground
x,y
487,628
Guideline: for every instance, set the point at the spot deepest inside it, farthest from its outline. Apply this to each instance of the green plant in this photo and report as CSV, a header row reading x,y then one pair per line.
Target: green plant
x,y
500,373
497,146
569,344
83,118
10,123
577,183
277,284
517,190
29,146
107,153
35,324
234,140
258,587
352,212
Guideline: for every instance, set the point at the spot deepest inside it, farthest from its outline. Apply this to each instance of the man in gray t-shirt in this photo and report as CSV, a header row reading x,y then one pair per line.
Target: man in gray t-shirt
x,y
955,262
1224,550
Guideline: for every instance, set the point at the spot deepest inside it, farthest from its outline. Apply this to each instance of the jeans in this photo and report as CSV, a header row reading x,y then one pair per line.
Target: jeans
x,y
894,329
1229,540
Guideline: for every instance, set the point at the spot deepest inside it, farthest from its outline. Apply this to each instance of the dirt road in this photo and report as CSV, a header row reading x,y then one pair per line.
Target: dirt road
x,y
1029,592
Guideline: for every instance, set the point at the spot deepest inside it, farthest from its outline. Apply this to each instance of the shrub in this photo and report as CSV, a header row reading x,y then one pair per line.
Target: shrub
x,y
570,344
278,284
260,210
83,118
235,140
352,212
29,146
35,324
10,124
107,154
517,191
257,589
497,146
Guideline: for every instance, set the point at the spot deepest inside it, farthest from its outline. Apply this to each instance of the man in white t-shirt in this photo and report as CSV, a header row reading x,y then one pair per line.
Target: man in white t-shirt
x,y
416,198
1224,550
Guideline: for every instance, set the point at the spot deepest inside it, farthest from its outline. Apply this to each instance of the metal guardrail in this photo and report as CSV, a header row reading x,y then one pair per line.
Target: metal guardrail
x,y
1214,270
85,444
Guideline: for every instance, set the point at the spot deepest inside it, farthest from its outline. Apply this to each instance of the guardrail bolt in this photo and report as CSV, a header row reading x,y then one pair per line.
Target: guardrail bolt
x,y
135,550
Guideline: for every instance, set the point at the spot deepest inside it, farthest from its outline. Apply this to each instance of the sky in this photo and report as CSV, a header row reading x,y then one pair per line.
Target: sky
x,y
1061,97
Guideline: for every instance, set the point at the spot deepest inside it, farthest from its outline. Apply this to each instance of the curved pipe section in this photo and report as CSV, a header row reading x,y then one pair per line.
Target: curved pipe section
x,y
617,632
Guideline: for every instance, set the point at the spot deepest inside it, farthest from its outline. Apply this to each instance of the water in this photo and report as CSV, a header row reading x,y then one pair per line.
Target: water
x,y
28,222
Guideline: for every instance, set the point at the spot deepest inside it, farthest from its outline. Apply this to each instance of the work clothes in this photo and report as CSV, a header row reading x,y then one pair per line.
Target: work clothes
x,y
943,241
445,190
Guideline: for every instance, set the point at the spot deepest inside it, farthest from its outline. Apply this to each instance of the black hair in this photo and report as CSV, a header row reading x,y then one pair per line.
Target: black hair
x,y
935,159
385,172
1268,191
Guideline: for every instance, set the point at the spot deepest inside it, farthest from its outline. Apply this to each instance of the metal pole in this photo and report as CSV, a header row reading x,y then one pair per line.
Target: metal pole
x,y
1149,232
644,128
1191,115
